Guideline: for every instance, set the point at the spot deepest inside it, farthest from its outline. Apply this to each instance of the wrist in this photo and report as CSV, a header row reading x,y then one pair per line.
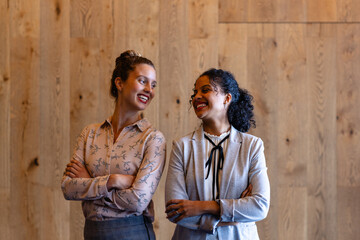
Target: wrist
x,y
211,207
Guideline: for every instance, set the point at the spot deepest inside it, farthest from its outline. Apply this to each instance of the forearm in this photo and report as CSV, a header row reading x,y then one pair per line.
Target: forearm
x,y
208,207
119,181
84,188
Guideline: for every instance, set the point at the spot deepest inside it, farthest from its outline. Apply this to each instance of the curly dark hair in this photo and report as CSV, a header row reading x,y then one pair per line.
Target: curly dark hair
x,y
240,113
124,64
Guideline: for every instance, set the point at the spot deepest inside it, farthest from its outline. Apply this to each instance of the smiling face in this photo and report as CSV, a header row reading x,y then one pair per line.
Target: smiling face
x,y
138,90
208,100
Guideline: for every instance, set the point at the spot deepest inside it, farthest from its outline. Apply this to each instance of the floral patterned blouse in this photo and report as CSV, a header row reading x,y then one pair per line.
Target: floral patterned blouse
x,y
139,150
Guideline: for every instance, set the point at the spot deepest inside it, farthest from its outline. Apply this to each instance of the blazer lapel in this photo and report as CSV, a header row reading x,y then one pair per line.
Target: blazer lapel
x,y
198,161
230,161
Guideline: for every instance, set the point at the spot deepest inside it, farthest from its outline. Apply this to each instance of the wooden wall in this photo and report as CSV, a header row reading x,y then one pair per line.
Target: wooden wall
x,y
300,60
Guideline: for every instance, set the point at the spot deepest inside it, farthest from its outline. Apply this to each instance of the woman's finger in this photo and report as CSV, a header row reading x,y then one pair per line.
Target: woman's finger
x,y
173,201
243,194
173,207
77,163
72,170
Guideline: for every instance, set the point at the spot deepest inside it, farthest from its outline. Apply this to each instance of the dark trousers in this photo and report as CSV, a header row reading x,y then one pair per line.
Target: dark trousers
x,y
128,228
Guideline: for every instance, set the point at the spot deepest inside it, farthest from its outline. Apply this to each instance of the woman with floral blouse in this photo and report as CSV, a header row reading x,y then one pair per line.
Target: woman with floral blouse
x,y
117,164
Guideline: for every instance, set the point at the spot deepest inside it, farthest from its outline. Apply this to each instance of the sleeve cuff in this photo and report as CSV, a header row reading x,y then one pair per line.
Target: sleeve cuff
x,y
102,189
208,223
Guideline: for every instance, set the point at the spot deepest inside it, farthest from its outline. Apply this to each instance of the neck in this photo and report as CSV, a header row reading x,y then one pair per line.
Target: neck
x,y
122,117
216,127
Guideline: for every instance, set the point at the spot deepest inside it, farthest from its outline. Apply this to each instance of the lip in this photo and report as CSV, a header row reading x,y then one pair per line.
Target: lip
x,y
199,105
143,98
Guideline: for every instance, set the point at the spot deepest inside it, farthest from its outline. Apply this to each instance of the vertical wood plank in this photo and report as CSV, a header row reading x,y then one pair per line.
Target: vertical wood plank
x,y
174,65
84,105
293,131
348,119
262,49
54,116
5,148
233,51
321,165
348,137
85,18
349,212
292,215
107,63
25,117
293,102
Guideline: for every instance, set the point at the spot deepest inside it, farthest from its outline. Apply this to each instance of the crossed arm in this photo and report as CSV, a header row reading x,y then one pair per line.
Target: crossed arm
x,y
178,209
75,169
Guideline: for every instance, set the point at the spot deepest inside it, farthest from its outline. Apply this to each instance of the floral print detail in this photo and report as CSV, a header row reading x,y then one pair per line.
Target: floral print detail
x,y
139,151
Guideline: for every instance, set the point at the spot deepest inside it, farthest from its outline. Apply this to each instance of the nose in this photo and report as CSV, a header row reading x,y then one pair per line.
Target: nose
x,y
197,96
148,88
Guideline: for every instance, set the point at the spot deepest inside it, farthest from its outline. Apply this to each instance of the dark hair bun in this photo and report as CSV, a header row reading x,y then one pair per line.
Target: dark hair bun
x,y
129,54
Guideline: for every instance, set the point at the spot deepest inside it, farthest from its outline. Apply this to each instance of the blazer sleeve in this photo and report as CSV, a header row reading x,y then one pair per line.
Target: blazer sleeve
x,y
255,207
175,188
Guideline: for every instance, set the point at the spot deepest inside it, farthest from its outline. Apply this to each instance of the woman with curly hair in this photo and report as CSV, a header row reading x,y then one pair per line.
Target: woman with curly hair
x,y
217,185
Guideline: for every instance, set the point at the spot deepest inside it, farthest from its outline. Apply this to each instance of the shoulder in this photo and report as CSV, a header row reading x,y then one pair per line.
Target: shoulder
x,y
155,134
151,133
249,141
91,129
184,140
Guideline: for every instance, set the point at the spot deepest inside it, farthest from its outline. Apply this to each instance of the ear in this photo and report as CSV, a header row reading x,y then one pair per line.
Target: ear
x,y
228,98
119,83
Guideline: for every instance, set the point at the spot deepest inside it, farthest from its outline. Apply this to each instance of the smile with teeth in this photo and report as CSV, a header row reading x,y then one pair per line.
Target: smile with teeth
x,y
200,106
143,98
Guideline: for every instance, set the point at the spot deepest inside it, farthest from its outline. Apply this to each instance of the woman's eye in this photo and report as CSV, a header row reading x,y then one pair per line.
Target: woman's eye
x,y
153,85
205,90
142,81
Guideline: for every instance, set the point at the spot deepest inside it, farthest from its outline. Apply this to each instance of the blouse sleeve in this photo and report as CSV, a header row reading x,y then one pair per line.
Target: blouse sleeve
x,y
255,207
83,188
137,197
176,189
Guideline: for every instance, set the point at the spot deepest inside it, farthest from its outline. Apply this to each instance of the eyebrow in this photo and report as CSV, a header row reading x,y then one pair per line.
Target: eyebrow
x,y
206,85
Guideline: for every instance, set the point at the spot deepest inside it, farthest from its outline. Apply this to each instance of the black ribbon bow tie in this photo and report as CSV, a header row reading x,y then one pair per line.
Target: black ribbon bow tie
x,y
219,165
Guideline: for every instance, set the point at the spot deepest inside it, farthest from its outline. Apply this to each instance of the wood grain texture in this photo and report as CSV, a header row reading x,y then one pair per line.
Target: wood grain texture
x,y
54,117
348,136
5,131
280,11
56,61
348,10
174,94
321,10
347,154
321,165
24,117
293,148
262,49
292,202
349,212
85,18
232,48
85,92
